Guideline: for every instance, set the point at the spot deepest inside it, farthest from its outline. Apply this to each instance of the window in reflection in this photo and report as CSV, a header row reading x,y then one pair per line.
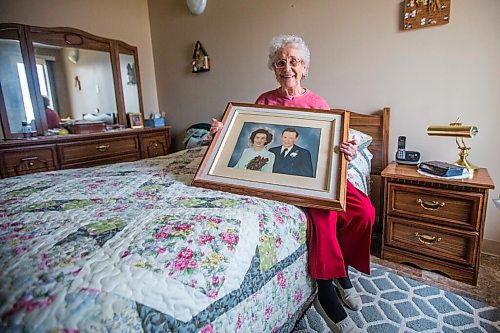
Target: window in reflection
x,y
45,73
28,107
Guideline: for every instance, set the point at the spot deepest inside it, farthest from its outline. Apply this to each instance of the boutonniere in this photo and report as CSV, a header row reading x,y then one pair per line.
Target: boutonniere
x,y
295,153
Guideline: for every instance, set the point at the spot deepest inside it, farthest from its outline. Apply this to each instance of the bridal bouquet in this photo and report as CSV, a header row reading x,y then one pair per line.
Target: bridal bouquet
x,y
257,163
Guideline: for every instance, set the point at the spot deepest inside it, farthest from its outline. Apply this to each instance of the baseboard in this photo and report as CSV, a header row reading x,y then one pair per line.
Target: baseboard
x,y
491,247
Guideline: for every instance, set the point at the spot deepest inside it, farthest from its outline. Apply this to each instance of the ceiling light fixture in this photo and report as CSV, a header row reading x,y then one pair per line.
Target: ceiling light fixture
x,y
196,7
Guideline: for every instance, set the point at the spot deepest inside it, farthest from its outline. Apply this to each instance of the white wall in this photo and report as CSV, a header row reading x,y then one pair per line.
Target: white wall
x,y
361,61
127,21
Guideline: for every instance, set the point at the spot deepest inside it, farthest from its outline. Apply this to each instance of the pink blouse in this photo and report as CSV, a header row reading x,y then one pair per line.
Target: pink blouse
x,y
308,100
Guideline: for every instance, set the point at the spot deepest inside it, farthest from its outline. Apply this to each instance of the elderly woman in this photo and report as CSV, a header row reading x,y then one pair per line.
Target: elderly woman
x,y
257,157
336,240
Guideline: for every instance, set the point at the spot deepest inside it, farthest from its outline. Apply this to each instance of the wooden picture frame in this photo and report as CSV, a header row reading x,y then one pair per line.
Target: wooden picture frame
x,y
136,120
232,164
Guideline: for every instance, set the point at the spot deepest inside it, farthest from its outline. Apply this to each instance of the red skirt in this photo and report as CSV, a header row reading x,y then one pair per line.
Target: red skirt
x,y
336,239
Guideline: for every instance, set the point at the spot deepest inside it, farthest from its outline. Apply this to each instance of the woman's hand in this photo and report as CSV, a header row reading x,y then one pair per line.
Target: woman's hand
x,y
348,149
215,126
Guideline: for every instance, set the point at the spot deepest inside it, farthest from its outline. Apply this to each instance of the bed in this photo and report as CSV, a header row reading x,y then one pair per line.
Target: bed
x,y
132,247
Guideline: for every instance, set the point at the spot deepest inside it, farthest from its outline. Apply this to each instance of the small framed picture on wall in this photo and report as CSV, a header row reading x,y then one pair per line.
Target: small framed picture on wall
x,y
136,120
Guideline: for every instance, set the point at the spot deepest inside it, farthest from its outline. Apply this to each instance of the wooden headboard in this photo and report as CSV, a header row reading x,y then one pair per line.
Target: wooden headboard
x,y
377,126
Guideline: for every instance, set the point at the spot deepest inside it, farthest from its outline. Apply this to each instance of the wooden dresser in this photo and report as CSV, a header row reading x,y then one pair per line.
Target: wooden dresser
x,y
19,157
436,224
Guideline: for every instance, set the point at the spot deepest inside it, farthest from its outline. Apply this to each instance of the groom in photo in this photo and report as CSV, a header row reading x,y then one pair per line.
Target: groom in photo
x,y
291,159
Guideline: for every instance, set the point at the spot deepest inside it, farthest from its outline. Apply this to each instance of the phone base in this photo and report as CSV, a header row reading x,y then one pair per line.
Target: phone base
x,y
409,158
407,162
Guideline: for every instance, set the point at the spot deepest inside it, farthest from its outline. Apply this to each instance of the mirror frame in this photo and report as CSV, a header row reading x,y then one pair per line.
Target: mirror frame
x,y
64,37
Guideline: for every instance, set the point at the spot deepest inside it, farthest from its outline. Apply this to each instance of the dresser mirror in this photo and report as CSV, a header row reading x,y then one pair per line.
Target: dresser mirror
x,y
78,75
77,82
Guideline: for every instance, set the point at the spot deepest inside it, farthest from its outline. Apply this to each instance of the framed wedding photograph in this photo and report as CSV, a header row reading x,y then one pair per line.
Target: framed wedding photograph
x,y
280,153
136,120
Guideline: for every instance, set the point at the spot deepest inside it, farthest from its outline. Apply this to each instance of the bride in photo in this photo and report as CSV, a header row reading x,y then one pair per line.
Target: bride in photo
x,y
257,157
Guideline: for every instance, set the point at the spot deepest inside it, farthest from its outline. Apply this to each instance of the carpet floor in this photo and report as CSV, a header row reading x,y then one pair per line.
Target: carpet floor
x,y
392,303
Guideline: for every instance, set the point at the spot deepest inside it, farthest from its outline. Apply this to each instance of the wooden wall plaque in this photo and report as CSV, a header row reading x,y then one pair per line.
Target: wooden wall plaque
x,y
425,13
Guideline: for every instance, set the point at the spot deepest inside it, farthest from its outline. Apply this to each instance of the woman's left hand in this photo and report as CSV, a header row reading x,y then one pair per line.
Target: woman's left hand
x,y
215,127
348,149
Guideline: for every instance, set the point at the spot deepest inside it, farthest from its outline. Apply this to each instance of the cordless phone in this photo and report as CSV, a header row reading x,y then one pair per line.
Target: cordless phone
x,y
404,156
401,148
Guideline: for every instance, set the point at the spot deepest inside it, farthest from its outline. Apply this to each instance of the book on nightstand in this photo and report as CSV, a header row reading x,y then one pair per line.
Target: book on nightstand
x,y
441,169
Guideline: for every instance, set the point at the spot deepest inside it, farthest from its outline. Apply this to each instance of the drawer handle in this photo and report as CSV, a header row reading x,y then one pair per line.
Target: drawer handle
x,y
102,148
426,239
30,161
155,145
430,205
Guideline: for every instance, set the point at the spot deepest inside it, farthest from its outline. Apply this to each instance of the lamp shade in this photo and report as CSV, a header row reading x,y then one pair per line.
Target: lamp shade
x,y
453,130
74,55
196,6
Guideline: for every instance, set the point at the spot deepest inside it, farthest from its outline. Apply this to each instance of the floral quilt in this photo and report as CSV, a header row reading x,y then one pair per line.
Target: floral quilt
x,y
131,247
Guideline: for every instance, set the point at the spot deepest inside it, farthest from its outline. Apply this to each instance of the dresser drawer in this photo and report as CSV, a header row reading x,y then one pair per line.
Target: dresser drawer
x,y
98,150
153,145
426,239
17,162
443,207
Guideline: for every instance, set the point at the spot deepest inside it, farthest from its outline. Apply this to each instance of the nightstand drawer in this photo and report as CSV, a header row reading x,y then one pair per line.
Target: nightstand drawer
x,y
444,207
72,153
438,242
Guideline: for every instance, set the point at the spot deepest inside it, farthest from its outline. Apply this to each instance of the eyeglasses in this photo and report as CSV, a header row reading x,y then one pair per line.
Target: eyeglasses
x,y
281,63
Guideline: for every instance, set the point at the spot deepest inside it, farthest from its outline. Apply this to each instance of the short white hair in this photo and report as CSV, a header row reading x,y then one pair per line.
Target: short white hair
x,y
281,41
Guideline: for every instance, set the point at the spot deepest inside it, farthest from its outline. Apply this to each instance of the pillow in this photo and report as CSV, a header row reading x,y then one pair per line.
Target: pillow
x,y
358,170
362,140
197,135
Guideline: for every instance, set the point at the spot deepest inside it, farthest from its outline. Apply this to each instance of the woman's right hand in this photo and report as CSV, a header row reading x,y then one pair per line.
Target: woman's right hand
x,y
348,149
215,126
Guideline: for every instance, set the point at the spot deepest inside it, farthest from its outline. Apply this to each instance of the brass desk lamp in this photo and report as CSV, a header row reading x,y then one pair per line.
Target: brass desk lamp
x,y
458,131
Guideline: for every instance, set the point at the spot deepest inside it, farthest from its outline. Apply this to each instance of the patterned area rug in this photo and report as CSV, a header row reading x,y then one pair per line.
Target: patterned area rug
x,y
392,303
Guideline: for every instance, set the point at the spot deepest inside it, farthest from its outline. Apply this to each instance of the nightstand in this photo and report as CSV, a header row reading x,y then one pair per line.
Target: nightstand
x,y
434,223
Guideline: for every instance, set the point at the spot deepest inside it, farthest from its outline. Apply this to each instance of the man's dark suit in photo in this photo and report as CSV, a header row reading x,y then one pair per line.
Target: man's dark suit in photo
x,y
291,159
296,162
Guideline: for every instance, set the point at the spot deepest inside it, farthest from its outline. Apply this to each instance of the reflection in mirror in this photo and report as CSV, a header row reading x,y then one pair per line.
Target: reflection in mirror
x,y
78,83
129,80
14,86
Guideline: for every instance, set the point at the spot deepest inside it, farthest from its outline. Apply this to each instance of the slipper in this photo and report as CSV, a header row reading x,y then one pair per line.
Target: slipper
x,y
350,297
346,325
